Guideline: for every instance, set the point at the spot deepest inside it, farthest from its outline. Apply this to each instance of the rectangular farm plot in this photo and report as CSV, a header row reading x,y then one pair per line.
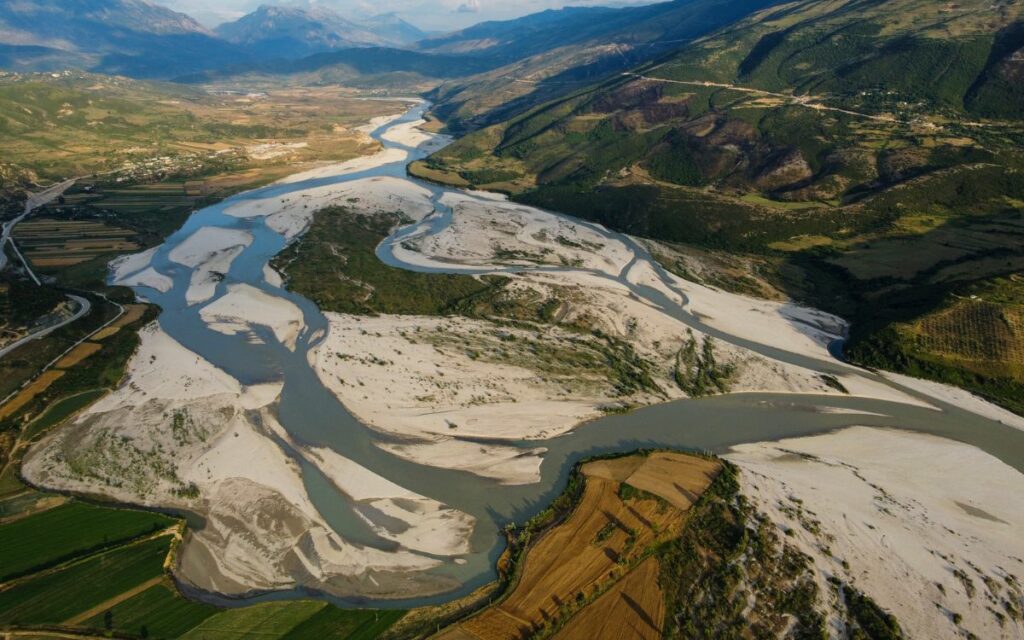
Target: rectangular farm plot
x,y
572,559
65,532
61,243
53,598
132,313
268,620
677,478
79,353
629,505
633,608
39,385
157,612
349,624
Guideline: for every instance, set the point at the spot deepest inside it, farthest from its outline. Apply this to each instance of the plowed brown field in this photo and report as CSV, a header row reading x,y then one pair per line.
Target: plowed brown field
x,y
132,312
634,608
676,477
79,353
594,547
39,385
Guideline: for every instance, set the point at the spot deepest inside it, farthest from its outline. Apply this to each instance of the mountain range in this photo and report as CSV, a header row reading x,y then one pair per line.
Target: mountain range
x,y
292,32
551,51
132,37
142,39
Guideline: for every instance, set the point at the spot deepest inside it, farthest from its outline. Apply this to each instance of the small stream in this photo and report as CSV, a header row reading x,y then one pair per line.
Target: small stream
x,y
313,415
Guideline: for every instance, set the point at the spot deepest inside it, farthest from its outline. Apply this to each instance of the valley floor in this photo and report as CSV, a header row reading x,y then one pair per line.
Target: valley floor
x,y
573,335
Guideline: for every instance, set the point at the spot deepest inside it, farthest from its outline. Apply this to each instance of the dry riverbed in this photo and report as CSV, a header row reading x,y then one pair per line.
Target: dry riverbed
x,y
181,434
928,527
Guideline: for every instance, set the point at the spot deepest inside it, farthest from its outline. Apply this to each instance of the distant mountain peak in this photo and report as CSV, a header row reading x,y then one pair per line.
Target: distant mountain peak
x,y
296,30
313,28
139,16
130,37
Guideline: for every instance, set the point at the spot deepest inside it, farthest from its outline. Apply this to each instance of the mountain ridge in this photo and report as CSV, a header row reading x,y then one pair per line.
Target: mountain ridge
x,y
131,37
294,32
831,140
142,39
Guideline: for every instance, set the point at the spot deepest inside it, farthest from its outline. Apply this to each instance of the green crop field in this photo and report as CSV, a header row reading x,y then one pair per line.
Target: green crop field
x,y
157,612
271,619
50,537
59,596
59,411
331,622
55,597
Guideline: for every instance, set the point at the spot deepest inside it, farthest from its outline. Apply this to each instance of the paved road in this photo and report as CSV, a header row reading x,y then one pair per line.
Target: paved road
x,y
120,312
84,306
34,201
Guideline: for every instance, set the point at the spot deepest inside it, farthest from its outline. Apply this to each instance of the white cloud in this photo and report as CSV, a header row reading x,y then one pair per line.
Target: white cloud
x,y
471,6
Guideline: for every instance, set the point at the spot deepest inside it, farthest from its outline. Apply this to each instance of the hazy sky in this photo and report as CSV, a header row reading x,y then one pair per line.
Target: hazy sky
x,y
443,15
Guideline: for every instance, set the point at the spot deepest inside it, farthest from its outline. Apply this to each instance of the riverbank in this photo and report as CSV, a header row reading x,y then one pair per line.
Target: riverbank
x,y
183,435
928,527
472,419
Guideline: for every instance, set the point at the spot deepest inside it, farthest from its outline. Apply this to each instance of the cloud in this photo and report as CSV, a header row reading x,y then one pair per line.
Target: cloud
x,y
470,6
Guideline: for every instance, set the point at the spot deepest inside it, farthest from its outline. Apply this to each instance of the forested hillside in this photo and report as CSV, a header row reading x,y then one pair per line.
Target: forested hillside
x,y
868,152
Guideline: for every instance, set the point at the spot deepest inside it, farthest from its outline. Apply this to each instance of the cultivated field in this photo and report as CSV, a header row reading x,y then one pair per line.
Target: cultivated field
x,y
633,608
133,313
73,529
38,386
82,124
982,336
49,243
588,563
54,597
71,567
79,353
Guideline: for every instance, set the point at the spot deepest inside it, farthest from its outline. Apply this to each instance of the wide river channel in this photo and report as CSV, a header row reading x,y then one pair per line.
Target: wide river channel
x,y
314,416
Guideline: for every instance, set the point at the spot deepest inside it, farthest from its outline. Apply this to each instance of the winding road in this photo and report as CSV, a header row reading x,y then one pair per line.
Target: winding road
x,y
48,365
84,306
34,202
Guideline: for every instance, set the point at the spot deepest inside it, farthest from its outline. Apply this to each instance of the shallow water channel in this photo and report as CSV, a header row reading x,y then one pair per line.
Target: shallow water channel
x,y
312,414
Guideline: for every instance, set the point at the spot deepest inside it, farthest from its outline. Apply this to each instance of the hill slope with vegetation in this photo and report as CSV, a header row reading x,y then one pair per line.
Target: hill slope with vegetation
x,y
550,54
867,153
